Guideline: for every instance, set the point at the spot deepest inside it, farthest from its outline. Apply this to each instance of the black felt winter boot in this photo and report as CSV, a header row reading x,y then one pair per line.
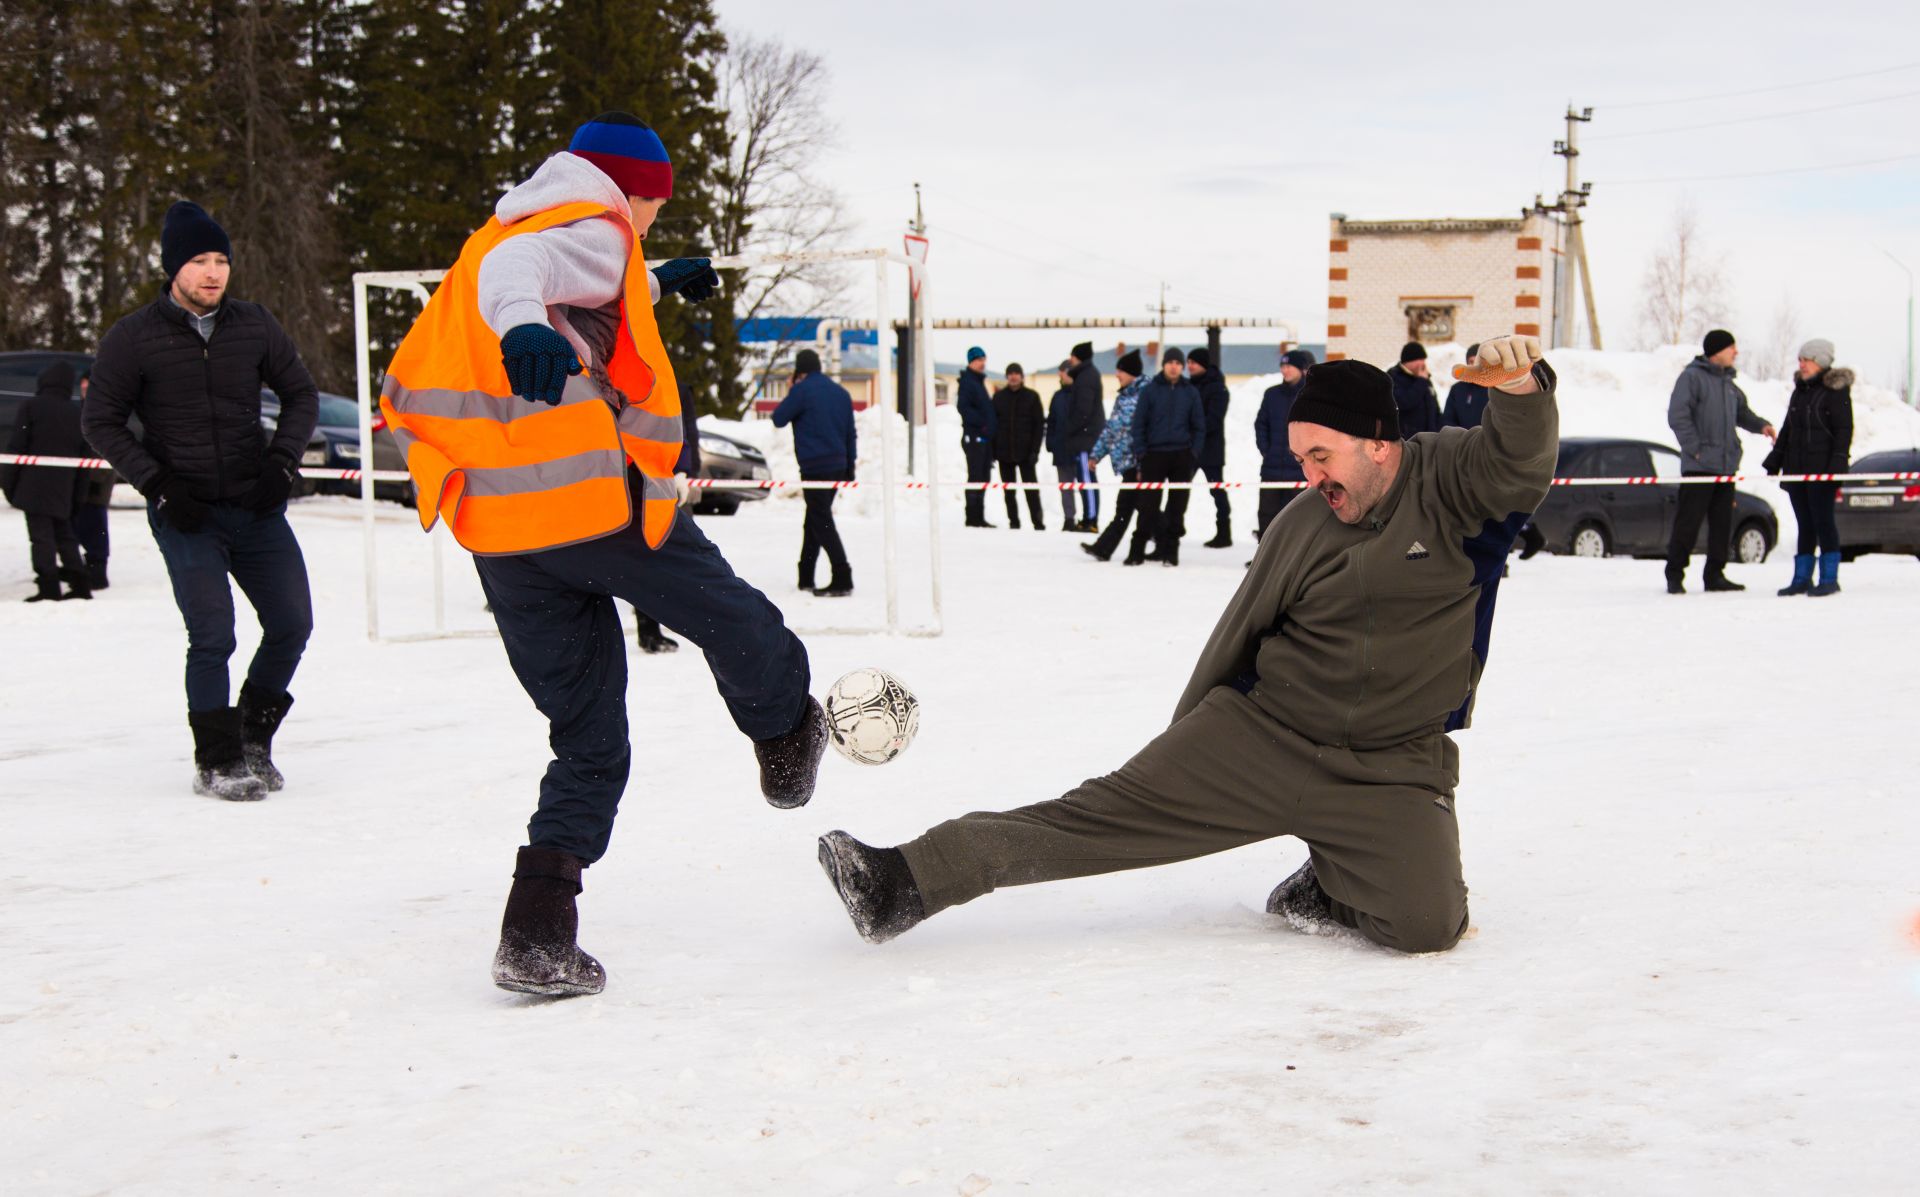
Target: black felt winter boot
x,y
537,951
261,711
97,573
219,763
839,586
1222,535
1300,900
876,885
651,639
46,590
790,764
79,585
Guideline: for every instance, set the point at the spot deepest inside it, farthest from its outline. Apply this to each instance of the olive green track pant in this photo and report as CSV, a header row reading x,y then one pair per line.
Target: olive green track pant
x,y
1379,823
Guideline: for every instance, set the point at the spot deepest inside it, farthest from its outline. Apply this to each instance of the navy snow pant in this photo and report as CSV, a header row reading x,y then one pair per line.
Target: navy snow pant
x,y
556,614
259,551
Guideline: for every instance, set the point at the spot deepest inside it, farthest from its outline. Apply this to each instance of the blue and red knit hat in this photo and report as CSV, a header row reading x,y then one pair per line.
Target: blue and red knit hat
x,y
626,151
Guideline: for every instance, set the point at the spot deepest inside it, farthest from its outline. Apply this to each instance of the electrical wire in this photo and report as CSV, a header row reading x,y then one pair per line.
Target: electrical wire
x,y
1755,91
1758,174
1747,120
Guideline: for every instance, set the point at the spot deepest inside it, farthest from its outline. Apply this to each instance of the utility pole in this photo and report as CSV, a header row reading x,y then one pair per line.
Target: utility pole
x,y
1574,250
1163,310
1911,398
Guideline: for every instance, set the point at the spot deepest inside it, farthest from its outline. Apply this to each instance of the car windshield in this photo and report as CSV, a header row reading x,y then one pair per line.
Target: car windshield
x,y
338,410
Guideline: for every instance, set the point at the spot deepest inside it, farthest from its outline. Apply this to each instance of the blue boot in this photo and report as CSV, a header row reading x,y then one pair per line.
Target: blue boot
x,y
1829,576
1802,575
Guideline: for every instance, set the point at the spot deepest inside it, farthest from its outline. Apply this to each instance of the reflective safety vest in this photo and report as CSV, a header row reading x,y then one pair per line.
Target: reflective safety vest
x,y
513,476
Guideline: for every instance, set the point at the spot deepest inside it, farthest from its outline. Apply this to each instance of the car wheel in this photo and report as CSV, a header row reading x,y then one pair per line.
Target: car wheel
x,y
1750,545
1590,540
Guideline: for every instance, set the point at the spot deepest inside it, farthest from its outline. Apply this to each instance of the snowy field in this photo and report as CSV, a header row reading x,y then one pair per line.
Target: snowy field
x,y
1689,825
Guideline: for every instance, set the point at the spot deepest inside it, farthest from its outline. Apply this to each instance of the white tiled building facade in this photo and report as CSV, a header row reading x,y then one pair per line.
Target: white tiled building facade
x,y
1434,281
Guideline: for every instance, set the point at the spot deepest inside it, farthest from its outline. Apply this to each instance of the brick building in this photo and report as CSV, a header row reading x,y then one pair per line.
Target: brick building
x,y
1435,281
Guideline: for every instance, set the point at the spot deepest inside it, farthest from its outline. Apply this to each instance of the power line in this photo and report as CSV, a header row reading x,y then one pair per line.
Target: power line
x,y
1757,174
1765,116
1755,91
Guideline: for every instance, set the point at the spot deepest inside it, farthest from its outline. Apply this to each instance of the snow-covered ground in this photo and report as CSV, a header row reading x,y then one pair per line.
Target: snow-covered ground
x,y
1690,829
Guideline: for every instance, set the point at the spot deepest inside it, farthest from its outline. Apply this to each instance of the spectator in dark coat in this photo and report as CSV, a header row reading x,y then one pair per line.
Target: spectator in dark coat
x,y
1704,410
1466,401
1214,398
1169,434
976,434
1413,392
1088,420
1066,464
1020,428
1816,437
1277,462
825,445
48,425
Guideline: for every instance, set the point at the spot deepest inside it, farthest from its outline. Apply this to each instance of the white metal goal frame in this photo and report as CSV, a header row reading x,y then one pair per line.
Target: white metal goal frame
x,y
415,282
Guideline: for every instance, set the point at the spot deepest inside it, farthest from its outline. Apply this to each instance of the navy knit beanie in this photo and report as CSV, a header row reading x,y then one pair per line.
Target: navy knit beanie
x,y
187,233
626,151
1299,359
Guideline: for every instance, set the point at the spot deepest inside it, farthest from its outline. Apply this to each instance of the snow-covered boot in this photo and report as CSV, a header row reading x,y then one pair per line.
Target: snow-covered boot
x,y
219,764
790,764
1802,575
1300,900
876,885
261,711
537,951
1829,576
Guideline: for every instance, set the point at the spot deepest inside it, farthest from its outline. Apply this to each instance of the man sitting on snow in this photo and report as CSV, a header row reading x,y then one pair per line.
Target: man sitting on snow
x,y
1320,706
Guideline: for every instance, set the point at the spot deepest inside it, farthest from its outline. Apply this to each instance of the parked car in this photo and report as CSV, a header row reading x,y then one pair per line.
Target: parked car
x,y
1880,517
339,430
1635,521
724,457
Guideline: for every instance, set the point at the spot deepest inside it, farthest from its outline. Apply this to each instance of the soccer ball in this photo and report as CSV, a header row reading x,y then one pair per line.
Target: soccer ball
x,y
871,717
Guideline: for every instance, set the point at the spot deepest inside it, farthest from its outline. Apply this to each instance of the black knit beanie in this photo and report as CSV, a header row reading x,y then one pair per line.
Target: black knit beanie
x,y
1014,368
1350,397
1084,351
1715,341
188,233
1201,358
1172,354
1413,351
1131,363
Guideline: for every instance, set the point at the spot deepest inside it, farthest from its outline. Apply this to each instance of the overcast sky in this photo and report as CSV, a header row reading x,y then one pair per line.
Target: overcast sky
x,y
1073,156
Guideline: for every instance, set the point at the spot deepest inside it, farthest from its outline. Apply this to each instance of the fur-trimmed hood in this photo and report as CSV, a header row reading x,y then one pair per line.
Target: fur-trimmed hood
x,y
1837,378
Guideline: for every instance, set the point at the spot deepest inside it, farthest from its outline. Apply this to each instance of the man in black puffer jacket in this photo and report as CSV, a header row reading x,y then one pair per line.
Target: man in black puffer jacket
x,y
190,365
1019,431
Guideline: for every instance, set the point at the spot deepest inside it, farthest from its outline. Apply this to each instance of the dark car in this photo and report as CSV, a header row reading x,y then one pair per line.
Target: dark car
x,y
723,457
1635,521
1880,517
339,429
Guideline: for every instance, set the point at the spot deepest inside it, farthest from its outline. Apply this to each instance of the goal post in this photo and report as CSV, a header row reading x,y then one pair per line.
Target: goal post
x,y
416,282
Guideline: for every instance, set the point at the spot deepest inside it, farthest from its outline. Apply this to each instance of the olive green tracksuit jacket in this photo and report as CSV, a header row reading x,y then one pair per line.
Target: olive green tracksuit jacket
x,y
1319,705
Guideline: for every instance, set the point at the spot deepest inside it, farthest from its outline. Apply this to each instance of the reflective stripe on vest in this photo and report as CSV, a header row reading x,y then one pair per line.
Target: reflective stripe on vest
x,y
510,476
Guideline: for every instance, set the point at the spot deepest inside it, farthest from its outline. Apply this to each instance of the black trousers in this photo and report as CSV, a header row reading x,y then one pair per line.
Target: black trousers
x,y
1162,465
1123,509
1272,503
90,526
979,469
1025,472
1813,510
1713,502
1222,509
51,539
819,533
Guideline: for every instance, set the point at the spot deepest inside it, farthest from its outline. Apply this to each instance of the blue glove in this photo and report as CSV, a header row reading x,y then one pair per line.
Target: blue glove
x,y
538,361
694,278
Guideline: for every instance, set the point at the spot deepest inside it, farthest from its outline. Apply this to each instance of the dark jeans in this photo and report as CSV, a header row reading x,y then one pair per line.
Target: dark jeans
x,y
557,617
1162,465
50,539
979,469
1222,509
259,551
90,526
1713,502
1025,472
1123,509
1272,503
1813,510
819,531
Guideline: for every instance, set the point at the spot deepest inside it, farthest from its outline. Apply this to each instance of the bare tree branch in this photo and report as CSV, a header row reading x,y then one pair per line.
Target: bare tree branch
x,y
1684,292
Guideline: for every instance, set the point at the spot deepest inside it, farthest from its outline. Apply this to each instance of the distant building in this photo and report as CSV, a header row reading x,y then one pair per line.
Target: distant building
x,y
1436,281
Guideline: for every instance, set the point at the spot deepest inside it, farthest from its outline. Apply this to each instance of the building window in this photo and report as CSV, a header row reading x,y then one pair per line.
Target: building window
x,y
1430,324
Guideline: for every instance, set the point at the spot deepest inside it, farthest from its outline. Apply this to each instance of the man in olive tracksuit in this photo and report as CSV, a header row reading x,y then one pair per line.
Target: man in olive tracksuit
x,y
1321,705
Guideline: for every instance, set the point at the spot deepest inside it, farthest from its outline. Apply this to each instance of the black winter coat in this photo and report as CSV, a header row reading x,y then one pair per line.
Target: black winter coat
x,y
1418,402
1020,426
1277,463
1059,412
1214,398
1089,418
199,400
1816,436
48,425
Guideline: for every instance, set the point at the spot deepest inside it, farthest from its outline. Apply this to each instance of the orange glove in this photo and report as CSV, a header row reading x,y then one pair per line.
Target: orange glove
x,y
1501,361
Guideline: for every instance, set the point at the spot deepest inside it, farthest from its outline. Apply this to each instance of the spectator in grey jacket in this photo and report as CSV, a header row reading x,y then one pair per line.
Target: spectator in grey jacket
x,y
1704,412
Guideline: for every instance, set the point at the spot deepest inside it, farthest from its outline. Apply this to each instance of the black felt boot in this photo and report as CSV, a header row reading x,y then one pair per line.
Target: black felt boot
x,y
537,951
79,585
46,590
219,763
876,885
261,711
790,764
840,586
1300,900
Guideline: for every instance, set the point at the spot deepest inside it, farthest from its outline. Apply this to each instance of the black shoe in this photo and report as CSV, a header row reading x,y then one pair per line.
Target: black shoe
x,y
219,762
876,885
1169,556
1223,539
1092,551
838,588
1072,526
261,712
1015,525
46,592
1039,527
654,642
1676,581
1719,584
1134,559
538,953
1300,900
97,574
790,764
78,585
806,580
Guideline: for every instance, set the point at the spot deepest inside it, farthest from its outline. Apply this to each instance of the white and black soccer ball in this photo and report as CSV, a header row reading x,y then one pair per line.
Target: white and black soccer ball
x,y
871,717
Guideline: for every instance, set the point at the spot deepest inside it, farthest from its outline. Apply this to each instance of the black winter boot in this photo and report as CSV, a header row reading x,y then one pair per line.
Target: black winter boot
x,y
78,584
1222,536
1716,582
790,764
806,579
261,711
537,951
839,586
876,885
652,640
219,762
1300,900
97,574
46,590
1094,551
1676,579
